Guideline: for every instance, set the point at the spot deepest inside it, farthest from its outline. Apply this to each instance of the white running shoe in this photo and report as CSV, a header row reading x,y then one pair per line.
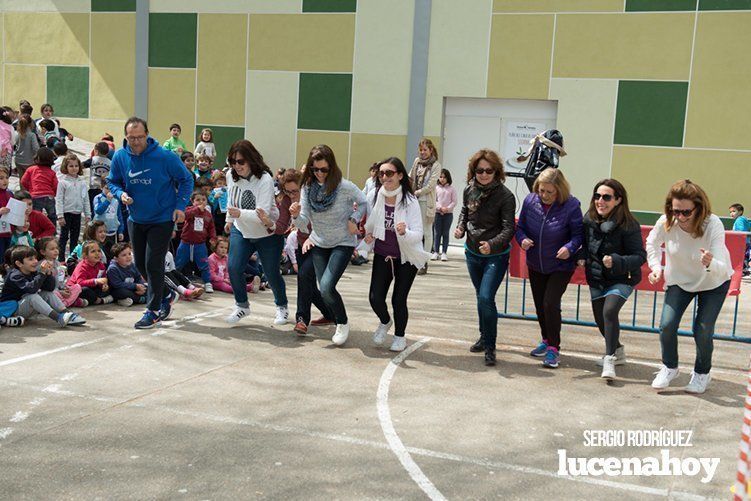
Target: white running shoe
x,y
698,383
399,344
380,333
125,302
608,367
341,334
108,299
620,356
663,378
208,288
237,315
282,315
434,256
444,257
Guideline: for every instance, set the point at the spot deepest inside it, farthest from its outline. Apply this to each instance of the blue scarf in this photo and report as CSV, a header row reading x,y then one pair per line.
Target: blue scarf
x,y
320,200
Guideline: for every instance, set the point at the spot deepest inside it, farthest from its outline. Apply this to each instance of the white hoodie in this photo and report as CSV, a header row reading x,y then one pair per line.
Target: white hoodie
x,y
72,196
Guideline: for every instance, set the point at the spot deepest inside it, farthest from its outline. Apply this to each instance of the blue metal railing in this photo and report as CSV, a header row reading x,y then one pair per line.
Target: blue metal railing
x,y
633,326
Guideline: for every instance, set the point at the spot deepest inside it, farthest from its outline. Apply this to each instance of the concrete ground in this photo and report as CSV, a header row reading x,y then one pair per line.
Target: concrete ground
x,y
201,410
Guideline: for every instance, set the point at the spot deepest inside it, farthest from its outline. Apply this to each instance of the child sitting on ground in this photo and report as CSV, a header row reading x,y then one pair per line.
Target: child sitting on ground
x,y
90,275
48,250
39,225
198,230
21,236
178,282
126,283
34,290
5,196
96,231
220,270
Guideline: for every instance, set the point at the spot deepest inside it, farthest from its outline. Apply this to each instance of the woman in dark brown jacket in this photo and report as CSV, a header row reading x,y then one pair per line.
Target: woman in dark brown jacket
x,y
487,220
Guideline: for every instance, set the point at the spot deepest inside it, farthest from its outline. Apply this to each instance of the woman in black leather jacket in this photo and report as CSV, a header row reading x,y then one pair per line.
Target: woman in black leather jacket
x,y
487,220
613,253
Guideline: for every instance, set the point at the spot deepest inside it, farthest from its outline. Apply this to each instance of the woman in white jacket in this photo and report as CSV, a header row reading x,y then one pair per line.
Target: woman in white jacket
x,y
251,221
697,264
395,227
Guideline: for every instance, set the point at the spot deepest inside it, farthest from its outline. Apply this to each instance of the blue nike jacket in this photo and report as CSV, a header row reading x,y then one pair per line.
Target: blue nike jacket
x,y
156,180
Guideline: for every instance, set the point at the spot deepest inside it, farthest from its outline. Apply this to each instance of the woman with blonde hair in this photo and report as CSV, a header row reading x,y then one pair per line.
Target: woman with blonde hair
x,y
550,231
424,177
487,220
697,264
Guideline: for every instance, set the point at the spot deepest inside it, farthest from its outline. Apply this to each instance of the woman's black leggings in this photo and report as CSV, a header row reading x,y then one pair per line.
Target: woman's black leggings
x,y
606,310
403,274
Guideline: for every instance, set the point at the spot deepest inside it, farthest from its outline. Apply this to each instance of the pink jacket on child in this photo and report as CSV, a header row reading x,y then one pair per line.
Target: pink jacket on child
x,y
218,268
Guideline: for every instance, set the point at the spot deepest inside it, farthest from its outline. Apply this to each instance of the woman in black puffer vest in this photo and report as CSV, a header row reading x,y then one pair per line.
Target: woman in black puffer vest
x,y
613,253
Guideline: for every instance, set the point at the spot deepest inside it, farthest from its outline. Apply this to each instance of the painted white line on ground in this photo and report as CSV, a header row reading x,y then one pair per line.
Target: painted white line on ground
x,y
4,432
19,416
387,426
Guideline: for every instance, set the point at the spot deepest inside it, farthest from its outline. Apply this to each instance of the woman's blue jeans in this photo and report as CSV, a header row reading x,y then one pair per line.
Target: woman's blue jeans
x,y
708,308
330,265
269,251
487,274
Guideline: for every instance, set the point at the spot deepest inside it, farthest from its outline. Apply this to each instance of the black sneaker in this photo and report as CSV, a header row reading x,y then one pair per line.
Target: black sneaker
x,y
478,347
148,320
490,357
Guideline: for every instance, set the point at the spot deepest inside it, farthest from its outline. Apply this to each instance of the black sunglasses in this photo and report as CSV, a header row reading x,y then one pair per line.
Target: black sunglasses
x,y
322,170
387,173
684,212
607,197
233,161
484,171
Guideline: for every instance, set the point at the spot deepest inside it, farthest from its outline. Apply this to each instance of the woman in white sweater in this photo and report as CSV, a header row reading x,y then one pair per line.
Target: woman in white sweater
x,y
395,226
697,264
251,216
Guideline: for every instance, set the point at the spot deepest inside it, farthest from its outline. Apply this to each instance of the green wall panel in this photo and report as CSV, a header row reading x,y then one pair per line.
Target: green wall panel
x,y
172,40
325,101
329,5
724,4
650,113
113,5
223,139
659,5
68,90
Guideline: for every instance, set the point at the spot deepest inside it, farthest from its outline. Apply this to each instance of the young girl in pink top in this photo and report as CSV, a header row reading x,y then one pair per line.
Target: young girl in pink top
x,y
220,271
445,196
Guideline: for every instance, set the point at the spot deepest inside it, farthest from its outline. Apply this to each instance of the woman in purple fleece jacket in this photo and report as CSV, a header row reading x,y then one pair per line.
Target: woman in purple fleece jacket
x,y
550,231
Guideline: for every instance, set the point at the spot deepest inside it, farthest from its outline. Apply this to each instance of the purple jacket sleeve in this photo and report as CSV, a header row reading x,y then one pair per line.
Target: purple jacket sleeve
x,y
575,225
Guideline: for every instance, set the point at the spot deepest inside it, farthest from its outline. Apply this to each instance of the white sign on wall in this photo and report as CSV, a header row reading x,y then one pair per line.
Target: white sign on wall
x,y
515,137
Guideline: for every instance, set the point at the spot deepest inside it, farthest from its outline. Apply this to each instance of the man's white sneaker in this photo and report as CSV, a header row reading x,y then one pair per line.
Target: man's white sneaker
x,y
434,256
208,288
608,367
399,344
663,378
620,357
698,383
237,315
341,334
380,333
282,315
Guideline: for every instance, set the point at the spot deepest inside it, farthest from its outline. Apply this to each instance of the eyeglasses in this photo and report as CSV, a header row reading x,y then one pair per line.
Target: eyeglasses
x,y
484,171
238,161
322,170
606,197
135,139
291,192
386,173
684,212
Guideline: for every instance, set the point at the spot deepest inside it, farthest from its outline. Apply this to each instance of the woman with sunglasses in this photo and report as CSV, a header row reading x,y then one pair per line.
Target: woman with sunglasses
x,y
251,216
327,203
697,264
395,228
612,253
550,231
487,220
424,176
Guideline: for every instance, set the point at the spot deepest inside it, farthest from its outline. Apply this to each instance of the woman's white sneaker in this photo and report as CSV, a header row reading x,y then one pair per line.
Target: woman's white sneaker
x,y
237,315
620,356
608,367
698,383
434,256
663,378
444,257
380,333
399,344
341,334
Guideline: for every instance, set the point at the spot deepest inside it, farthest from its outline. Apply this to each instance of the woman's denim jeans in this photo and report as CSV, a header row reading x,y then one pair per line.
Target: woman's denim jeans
x,y
330,265
269,252
487,274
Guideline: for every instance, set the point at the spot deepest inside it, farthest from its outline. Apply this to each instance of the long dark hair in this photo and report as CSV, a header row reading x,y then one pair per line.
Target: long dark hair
x,y
318,153
405,183
251,155
620,214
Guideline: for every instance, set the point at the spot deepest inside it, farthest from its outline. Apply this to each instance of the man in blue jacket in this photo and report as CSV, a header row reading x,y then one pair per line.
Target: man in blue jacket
x,y
156,186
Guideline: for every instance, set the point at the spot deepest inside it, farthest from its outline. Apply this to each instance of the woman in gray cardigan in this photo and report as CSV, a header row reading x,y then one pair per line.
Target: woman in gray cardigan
x,y
332,206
